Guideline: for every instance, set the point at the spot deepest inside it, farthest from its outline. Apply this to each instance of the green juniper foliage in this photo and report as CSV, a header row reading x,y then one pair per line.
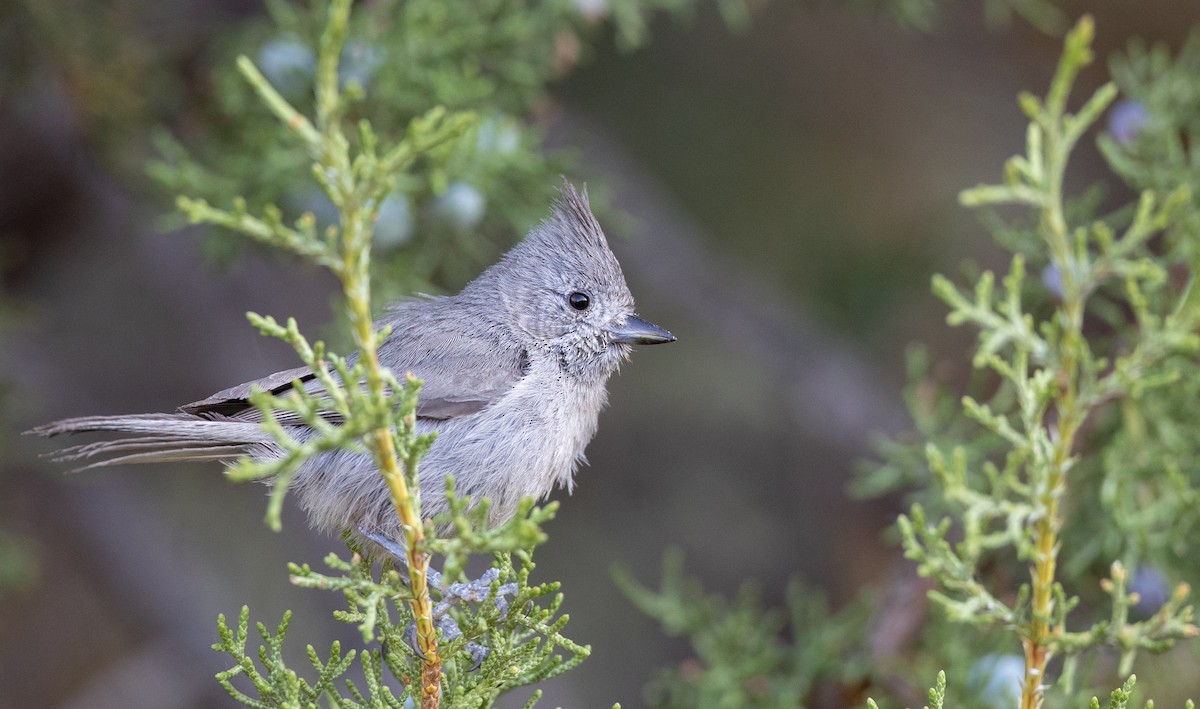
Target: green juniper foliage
x,y
440,220
739,661
1084,366
937,694
525,641
1056,500
492,58
925,14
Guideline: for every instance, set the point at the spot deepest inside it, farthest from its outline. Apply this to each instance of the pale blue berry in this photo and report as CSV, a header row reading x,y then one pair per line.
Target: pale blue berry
x,y
995,680
317,202
1052,279
461,205
592,10
288,64
394,222
1151,587
1126,121
359,62
498,135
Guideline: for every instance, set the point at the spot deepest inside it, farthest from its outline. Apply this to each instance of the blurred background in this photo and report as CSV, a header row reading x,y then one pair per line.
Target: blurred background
x,y
779,198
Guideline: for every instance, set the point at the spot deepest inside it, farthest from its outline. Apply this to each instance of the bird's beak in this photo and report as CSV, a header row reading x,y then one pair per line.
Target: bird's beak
x,y
636,331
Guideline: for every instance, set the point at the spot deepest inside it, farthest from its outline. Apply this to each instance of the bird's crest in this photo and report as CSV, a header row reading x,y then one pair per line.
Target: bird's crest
x,y
573,208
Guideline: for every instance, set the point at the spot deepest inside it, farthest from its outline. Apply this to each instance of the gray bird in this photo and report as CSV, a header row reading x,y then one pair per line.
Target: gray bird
x,y
514,365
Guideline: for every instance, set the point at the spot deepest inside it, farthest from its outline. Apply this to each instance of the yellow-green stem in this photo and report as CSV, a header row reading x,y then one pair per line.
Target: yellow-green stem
x,y
329,147
383,449
1041,631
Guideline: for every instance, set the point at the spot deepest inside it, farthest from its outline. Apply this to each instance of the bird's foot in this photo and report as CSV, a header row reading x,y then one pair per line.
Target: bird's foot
x,y
476,591
455,594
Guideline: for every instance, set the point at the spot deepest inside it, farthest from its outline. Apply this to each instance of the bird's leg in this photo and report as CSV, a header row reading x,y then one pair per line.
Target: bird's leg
x,y
476,591
391,546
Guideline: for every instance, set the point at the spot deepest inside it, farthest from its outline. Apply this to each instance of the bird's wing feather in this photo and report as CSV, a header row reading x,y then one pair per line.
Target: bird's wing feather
x,y
463,371
235,399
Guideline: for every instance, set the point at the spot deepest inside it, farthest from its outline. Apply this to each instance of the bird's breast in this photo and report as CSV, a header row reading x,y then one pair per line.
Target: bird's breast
x,y
524,444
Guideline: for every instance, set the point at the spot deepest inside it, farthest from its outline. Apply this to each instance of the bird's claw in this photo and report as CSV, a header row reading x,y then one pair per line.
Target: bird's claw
x,y
410,639
478,653
476,591
450,631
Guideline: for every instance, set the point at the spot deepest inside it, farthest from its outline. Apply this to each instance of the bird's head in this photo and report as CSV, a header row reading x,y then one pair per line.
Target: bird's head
x,y
563,288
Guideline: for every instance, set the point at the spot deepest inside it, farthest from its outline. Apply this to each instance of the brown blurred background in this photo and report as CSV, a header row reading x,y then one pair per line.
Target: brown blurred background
x,y
792,189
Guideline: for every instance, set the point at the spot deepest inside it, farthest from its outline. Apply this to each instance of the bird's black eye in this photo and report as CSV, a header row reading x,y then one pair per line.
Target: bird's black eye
x,y
579,301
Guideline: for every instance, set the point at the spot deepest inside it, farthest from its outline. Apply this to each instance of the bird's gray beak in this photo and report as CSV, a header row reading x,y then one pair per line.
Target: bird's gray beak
x,y
636,331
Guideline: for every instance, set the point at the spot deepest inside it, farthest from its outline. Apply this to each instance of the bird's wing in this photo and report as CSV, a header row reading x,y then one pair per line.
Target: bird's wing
x,y
463,368
234,400
462,371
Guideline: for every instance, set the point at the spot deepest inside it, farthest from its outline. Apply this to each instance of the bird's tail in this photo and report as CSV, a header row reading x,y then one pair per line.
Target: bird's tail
x,y
160,438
